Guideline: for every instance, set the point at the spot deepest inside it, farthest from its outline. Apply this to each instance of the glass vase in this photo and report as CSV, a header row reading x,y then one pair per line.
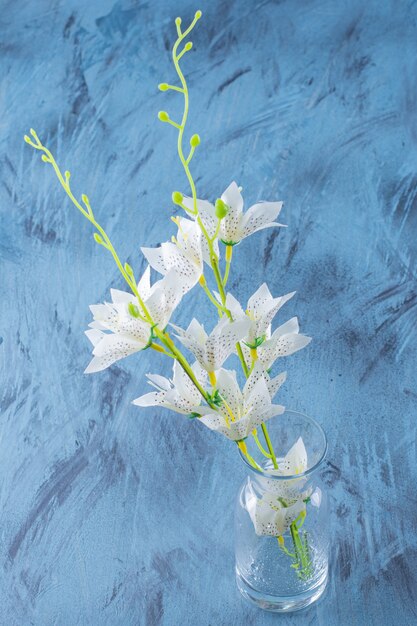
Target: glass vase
x,y
281,516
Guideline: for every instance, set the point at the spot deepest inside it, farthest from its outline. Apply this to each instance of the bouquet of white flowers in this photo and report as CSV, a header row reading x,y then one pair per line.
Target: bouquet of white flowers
x,y
200,254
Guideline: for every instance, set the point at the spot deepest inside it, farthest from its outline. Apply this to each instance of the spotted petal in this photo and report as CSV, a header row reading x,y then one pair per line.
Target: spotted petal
x,y
230,224
109,348
260,216
284,341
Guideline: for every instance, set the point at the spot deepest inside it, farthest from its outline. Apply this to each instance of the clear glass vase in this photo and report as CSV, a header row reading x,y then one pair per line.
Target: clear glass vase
x,y
281,530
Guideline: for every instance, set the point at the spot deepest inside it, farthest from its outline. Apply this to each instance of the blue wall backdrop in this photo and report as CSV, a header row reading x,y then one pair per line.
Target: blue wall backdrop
x,y
114,515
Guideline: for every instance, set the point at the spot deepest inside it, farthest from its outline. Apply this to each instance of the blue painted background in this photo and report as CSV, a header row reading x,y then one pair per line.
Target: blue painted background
x,y
115,515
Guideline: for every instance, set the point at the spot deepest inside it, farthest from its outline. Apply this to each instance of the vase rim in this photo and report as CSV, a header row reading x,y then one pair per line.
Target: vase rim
x,y
307,472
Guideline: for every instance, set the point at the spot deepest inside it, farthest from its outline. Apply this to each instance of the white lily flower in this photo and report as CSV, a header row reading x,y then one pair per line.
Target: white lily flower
x,y
115,333
237,225
283,500
212,350
206,212
179,394
261,309
184,255
240,412
270,517
285,340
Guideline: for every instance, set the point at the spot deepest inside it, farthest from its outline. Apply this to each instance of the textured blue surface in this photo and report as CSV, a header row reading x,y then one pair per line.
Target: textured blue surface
x,y
113,515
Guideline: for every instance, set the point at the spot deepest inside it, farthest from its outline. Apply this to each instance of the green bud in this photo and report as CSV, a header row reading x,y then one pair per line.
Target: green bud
x,y
133,309
178,21
27,139
163,87
85,199
163,116
128,269
98,239
67,174
188,45
177,197
198,14
221,208
195,141
45,158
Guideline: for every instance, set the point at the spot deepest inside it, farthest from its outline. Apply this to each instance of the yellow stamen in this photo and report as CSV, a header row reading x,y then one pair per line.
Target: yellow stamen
x,y
250,315
229,410
212,377
177,222
202,280
281,541
254,354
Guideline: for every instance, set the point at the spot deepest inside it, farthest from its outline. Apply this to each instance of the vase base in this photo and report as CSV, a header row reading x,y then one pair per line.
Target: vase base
x,y
280,604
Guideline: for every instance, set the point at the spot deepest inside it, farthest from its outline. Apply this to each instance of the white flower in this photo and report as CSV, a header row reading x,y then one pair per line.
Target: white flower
x,y
184,255
115,333
283,500
179,394
261,309
237,225
270,517
285,340
239,412
212,350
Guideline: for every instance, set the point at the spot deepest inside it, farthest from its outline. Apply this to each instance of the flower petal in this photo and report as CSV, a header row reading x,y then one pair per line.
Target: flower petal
x,y
230,224
272,518
144,285
165,297
154,398
274,384
222,341
207,213
295,461
229,390
159,382
259,216
282,344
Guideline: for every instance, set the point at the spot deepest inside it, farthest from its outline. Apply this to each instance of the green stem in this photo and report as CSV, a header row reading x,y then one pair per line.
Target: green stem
x,y
269,444
88,213
302,551
167,341
260,446
212,298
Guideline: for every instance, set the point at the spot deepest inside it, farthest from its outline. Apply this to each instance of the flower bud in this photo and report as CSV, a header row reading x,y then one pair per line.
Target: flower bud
x,y
188,46
98,239
177,197
221,208
163,87
178,21
128,269
133,309
195,141
163,116
45,158
198,14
